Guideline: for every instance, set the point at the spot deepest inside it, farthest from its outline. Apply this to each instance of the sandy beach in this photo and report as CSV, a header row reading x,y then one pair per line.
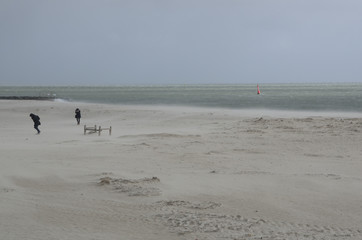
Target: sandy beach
x,y
178,173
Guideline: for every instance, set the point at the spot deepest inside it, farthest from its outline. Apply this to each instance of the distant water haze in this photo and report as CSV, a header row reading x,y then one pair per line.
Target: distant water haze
x,y
298,97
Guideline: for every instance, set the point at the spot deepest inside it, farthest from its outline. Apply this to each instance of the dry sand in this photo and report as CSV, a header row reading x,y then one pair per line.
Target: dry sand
x,y
178,173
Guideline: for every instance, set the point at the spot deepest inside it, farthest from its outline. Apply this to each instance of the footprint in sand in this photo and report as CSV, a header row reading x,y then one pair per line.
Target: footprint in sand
x,y
6,190
217,226
188,205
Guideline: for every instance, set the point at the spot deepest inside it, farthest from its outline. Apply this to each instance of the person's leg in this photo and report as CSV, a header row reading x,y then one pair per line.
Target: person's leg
x,y
36,128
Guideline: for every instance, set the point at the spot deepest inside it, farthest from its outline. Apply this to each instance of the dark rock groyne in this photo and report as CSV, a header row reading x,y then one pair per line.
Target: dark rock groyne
x,y
26,98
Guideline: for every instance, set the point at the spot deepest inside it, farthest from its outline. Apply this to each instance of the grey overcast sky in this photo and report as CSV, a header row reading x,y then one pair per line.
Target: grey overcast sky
x,y
148,42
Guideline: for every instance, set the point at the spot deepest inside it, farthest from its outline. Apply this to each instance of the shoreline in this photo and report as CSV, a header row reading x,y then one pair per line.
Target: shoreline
x,y
247,112
178,173
335,98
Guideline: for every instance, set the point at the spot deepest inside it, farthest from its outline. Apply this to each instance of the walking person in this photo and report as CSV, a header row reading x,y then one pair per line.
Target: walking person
x,y
77,115
36,120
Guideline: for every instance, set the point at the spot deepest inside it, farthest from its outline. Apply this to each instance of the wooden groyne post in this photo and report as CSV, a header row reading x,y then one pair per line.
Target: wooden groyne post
x,y
95,129
102,129
90,129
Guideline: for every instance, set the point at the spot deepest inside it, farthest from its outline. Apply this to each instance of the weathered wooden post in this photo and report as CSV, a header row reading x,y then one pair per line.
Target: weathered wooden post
x,y
95,129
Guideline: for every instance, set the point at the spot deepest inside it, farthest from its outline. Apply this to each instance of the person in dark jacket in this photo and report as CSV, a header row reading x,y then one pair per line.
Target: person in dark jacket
x,y
77,115
36,120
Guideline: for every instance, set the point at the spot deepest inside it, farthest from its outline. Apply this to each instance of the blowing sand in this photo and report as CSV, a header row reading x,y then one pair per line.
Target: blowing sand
x,y
178,173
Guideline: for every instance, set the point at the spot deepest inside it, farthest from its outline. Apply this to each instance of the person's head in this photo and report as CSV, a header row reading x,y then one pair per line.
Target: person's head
x,y
31,115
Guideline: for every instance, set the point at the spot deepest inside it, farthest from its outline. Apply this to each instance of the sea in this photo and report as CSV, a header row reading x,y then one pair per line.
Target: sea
x,y
341,97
